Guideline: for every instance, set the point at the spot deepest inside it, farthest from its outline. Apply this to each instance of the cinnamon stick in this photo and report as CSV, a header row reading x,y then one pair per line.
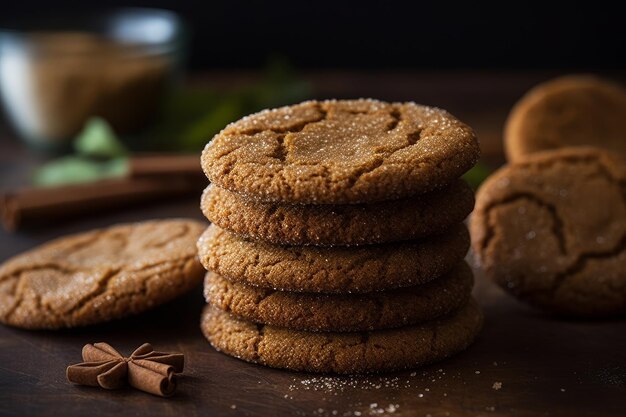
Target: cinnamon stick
x,y
39,205
149,177
151,165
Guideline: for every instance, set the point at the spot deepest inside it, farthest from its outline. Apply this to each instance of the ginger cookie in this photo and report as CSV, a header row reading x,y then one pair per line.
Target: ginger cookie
x,y
340,151
100,275
551,229
331,270
342,312
348,224
342,353
568,111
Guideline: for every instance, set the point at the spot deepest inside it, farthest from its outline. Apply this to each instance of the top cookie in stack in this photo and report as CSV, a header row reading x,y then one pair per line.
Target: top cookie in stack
x,y
337,230
340,152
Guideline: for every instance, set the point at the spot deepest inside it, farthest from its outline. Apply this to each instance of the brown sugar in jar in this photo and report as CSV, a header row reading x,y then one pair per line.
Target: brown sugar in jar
x,y
59,80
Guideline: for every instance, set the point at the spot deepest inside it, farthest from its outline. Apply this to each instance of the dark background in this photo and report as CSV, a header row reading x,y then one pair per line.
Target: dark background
x,y
387,34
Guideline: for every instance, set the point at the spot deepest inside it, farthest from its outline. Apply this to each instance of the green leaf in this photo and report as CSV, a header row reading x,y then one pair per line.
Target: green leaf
x,y
279,87
182,110
199,133
193,116
477,174
76,170
98,140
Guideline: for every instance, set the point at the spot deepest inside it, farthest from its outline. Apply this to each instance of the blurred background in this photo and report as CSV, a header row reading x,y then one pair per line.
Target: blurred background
x,y
120,90
381,34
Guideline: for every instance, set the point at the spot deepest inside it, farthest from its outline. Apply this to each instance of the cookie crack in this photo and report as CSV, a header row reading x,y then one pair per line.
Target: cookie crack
x,y
557,223
100,289
581,263
40,306
17,301
52,265
16,289
260,328
396,118
280,151
227,152
271,210
183,231
263,296
143,289
95,237
364,170
490,233
247,268
298,127
413,137
271,264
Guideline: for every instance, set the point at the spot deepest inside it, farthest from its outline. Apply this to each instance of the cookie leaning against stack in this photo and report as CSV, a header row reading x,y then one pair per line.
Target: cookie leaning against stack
x,y
337,243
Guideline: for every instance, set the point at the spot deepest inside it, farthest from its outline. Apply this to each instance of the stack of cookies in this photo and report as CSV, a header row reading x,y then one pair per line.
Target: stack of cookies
x,y
337,242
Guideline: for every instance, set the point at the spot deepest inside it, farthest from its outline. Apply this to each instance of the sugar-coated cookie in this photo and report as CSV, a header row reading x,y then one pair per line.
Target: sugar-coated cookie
x,y
331,269
568,111
346,224
551,229
342,312
343,353
340,151
100,275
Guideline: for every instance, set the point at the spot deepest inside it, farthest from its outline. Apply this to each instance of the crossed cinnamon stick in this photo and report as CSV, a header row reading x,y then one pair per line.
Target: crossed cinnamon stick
x,y
145,369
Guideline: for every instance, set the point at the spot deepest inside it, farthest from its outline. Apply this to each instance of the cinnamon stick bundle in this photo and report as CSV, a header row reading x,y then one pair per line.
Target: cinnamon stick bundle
x,y
150,178
146,369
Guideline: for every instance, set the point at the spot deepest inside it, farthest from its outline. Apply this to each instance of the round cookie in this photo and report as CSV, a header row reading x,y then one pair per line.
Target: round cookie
x,y
340,151
342,353
331,270
347,224
551,229
342,312
100,275
568,111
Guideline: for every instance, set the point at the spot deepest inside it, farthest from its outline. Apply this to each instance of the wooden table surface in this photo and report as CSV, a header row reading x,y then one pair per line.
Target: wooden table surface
x,y
523,364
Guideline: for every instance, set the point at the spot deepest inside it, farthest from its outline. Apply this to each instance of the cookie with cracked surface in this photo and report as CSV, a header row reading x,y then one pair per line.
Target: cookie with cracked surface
x,y
347,224
343,353
340,151
100,275
551,229
331,269
568,111
342,312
